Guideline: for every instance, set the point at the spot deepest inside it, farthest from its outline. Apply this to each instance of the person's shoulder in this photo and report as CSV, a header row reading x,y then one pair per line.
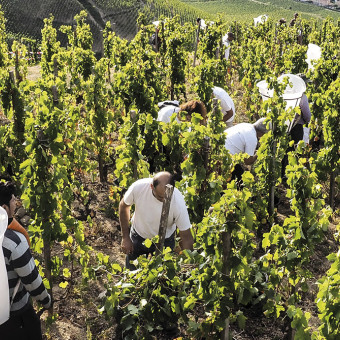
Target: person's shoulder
x,y
142,182
13,235
239,127
179,198
13,238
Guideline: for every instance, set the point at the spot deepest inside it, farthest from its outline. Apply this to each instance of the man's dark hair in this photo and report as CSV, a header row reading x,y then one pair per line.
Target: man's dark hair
x,y
156,181
7,190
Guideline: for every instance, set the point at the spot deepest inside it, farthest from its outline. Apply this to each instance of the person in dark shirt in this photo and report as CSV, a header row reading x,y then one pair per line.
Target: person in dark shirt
x,y
24,280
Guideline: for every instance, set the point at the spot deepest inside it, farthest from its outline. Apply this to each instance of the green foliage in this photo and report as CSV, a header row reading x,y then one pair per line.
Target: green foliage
x,y
49,46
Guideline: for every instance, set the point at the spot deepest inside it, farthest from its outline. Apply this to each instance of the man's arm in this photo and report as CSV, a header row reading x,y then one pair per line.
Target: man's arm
x,y
24,266
250,160
228,115
187,241
124,220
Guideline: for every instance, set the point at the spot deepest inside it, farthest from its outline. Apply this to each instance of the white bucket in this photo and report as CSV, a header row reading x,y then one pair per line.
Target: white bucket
x,y
4,290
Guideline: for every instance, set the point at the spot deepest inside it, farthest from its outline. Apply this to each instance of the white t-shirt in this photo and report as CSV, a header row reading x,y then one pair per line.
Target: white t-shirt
x,y
226,103
166,112
148,210
226,43
241,138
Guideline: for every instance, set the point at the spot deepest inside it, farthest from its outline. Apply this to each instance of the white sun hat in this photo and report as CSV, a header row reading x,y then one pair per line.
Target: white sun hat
x,y
313,55
4,291
292,93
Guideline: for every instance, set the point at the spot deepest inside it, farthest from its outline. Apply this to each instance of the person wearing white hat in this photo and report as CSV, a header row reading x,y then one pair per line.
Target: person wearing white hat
x,y
227,105
24,280
243,138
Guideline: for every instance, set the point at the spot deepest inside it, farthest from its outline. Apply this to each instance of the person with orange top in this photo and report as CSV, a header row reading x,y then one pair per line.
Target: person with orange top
x,y
24,280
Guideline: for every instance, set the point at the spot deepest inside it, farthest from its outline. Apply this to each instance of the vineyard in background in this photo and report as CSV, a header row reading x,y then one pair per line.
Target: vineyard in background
x,y
88,119
25,17
245,11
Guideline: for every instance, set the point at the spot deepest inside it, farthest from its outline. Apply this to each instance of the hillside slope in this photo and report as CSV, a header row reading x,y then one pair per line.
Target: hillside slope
x,y
25,17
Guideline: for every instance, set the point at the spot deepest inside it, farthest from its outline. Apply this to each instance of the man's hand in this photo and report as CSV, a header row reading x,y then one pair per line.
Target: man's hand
x,y
127,246
187,240
228,115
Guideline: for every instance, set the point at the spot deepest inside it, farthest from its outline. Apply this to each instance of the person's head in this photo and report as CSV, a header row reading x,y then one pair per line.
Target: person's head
x,y
159,182
282,21
296,15
231,36
194,106
260,127
7,198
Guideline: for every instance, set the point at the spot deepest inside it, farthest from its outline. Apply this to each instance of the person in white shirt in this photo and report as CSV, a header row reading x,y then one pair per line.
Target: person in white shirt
x,y
227,105
148,195
168,108
229,37
244,138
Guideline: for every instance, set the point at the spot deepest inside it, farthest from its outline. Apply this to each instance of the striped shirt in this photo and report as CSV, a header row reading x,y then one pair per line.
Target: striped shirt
x,y
20,265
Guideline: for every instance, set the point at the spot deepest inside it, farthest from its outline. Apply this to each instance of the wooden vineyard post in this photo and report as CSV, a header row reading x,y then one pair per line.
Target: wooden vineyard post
x,y
272,184
48,270
169,189
11,77
55,67
55,95
197,39
17,73
332,187
206,149
156,41
226,242
133,117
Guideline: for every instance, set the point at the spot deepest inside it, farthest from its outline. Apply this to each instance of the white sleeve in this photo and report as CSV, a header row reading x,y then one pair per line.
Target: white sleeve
x,y
129,198
251,143
182,217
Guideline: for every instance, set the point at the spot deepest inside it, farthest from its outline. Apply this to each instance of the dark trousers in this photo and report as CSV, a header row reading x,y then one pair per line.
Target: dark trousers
x,y
236,175
140,249
25,326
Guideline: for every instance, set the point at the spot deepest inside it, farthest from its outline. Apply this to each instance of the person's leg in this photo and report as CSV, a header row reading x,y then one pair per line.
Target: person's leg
x,y
297,133
237,175
12,329
25,326
170,241
138,249
31,324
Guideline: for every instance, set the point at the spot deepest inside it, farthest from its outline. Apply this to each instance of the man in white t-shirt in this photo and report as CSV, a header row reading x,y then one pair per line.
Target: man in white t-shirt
x,y
244,138
147,195
227,105
229,37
